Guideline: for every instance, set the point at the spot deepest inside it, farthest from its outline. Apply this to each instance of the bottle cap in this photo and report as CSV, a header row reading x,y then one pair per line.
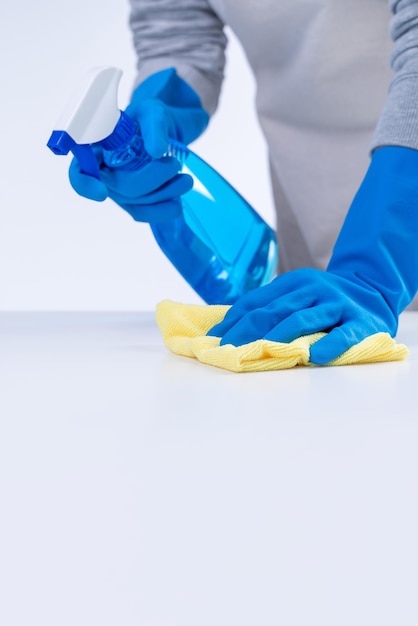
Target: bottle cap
x,y
122,134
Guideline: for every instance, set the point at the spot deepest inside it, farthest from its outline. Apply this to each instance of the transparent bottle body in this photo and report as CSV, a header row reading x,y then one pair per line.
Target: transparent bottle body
x,y
219,244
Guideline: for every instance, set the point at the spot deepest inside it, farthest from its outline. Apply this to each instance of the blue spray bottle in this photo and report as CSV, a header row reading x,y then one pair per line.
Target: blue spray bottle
x,y
220,244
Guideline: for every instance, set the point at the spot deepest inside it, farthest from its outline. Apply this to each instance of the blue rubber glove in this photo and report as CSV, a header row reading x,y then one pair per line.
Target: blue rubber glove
x,y
371,278
164,106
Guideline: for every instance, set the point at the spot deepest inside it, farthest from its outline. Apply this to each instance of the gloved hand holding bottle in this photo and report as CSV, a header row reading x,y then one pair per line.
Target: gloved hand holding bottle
x,y
220,245
371,278
164,106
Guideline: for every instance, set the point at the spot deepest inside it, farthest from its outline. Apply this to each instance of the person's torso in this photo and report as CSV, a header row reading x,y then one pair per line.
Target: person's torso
x,y
316,62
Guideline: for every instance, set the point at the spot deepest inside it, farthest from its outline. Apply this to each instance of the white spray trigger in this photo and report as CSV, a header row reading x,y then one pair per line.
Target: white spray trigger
x,y
92,112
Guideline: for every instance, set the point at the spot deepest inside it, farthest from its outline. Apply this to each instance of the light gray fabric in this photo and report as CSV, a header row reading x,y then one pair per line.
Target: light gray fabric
x,y
398,123
186,35
335,79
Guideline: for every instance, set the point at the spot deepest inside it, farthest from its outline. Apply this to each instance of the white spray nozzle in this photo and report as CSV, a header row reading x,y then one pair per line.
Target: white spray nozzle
x,y
92,112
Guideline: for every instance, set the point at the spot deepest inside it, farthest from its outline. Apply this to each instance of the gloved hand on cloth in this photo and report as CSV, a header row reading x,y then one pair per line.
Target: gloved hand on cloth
x,y
165,107
371,278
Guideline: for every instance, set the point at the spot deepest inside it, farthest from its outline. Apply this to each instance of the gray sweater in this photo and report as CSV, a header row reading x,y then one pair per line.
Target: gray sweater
x,y
398,122
189,34
335,79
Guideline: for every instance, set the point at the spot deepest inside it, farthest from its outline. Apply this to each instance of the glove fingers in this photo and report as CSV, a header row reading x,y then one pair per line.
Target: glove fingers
x,y
159,122
282,324
153,213
249,328
191,123
280,298
135,183
86,186
317,318
348,334
154,122
180,184
337,342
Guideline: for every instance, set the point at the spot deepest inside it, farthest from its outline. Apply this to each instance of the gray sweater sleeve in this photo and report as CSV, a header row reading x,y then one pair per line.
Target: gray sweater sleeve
x,y
187,35
398,123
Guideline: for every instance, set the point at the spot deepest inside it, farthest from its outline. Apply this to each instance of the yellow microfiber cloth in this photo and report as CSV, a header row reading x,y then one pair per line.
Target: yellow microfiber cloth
x,y
184,328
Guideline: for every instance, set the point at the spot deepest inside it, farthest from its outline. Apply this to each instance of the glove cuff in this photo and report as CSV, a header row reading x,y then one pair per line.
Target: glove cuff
x,y
378,243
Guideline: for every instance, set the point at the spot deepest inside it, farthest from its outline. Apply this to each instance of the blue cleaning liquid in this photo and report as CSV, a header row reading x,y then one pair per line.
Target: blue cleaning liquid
x,y
220,244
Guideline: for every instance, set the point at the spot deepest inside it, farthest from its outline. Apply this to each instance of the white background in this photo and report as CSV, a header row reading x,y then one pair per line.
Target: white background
x,y
59,251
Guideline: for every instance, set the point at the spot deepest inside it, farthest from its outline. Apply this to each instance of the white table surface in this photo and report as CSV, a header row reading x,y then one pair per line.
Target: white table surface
x,y
141,488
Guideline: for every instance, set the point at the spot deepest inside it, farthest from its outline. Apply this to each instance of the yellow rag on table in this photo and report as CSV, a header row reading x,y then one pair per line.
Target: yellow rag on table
x,y
184,328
